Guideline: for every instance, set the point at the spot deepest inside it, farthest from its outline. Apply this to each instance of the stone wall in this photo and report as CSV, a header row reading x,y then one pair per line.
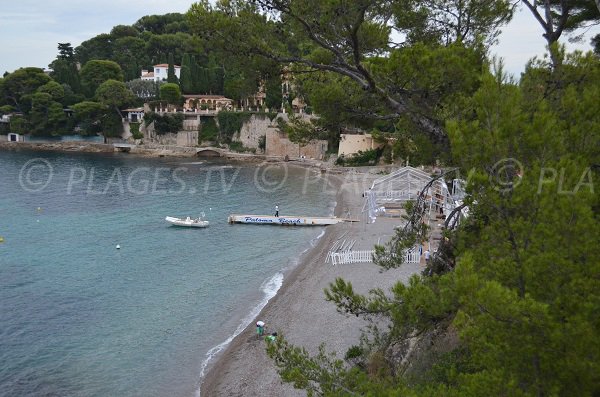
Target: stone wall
x,y
187,138
191,123
253,130
181,138
352,143
279,145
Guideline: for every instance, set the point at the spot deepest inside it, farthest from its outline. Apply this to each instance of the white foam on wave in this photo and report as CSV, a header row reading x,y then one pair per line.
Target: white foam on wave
x,y
269,289
313,242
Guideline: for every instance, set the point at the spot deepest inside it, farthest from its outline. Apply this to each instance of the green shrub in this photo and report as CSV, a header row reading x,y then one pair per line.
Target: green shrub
x,y
135,130
164,124
208,130
230,123
239,147
368,157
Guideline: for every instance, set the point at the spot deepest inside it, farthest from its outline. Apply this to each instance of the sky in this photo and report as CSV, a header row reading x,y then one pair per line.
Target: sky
x,y
30,30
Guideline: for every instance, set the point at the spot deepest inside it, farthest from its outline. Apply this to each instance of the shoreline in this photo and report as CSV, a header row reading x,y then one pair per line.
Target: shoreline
x,y
142,151
247,321
212,370
239,366
299,310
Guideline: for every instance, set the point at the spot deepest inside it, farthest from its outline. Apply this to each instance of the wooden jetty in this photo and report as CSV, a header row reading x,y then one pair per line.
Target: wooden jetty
x,y
288,220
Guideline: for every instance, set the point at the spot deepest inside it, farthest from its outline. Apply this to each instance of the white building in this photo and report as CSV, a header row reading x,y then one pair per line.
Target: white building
x,y
12,137
160,72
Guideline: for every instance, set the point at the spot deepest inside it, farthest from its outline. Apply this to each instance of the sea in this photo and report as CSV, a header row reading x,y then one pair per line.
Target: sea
x,y
99,296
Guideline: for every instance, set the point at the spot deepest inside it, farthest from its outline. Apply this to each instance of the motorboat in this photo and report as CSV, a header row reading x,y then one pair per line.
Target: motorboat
x,y
187,222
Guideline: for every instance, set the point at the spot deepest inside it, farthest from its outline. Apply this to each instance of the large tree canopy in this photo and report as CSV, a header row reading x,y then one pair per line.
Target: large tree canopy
x,y
96,72
516,284
17,86
354,42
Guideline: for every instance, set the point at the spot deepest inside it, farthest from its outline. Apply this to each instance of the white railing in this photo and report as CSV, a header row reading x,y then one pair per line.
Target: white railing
x,y
412,256
342,258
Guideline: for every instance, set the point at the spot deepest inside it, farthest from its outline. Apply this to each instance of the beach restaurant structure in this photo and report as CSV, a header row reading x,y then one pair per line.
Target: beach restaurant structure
x,y
387,195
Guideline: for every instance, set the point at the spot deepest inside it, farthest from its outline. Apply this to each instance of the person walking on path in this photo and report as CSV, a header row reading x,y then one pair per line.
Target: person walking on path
x,y
277,211
427,256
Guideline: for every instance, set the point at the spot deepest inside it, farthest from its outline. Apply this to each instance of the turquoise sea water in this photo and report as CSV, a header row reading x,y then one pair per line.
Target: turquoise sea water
x,y
80,318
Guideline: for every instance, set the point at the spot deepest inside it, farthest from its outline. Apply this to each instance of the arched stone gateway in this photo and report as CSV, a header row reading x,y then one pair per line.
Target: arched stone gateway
x,y
208,153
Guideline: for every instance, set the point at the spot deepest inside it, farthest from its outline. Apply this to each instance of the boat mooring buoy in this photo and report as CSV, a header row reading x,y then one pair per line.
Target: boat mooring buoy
x,y
39,208
118,247
1,239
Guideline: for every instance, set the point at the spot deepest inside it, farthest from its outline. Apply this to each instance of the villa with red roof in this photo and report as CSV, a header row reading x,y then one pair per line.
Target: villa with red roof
x,y
160,72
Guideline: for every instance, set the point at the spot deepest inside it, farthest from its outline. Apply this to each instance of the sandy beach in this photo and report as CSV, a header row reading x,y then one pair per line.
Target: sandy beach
x,y
299,310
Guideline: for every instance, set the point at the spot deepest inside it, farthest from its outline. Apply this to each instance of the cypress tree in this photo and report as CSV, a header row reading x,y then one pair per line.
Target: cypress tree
x,y
171,77
186,81
212,75
194,71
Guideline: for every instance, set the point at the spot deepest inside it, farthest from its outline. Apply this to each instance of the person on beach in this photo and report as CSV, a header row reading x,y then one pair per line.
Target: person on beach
x,y
277,211
260,329
272,337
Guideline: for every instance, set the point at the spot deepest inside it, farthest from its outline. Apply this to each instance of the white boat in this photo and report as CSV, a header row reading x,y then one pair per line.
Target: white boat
x,y
187,222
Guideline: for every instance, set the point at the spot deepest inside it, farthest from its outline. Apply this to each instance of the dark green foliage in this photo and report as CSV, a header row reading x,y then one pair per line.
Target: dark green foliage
x,y
368,157
64,67
237,146
230,123
195,76
96,48
17,87
186,81
114,93
46,116
516,283
19,125
161,24
215,73
111,125
96,72
273,88
87,117
121,31
135,130
596,44
262,143
208,130
65,51
170,92
164,124
171,77
300,130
